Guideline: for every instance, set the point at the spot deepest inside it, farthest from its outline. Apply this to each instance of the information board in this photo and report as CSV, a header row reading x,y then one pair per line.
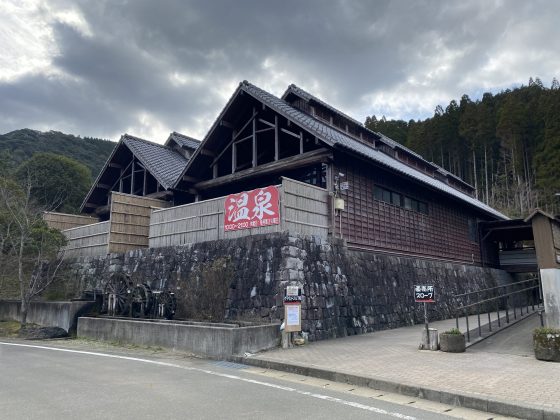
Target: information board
x,y
424,293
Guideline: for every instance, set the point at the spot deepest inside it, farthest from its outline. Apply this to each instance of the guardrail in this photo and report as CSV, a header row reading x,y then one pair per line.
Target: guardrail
x,y
502,302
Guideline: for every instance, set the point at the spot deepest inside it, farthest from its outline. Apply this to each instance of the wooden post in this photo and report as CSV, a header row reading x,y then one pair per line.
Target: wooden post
x,y
145,182
254,141
276,150
233,157
301,142
132,178
215,170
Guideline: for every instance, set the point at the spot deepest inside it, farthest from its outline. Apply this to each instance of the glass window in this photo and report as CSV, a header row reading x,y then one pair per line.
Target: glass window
x,y
396,199
378,193
408,203
422,207
386,196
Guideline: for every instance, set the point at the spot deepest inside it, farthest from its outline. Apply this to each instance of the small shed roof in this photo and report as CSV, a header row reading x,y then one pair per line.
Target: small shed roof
x,y
183,141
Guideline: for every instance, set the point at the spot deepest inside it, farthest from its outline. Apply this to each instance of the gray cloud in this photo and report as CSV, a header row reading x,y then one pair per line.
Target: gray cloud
x,y
152,67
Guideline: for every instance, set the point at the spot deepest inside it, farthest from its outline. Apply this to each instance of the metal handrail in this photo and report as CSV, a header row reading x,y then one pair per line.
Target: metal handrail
x,y
495,287
497,299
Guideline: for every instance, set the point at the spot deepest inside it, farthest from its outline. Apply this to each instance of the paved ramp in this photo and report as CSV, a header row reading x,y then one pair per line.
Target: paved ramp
x,y
515,340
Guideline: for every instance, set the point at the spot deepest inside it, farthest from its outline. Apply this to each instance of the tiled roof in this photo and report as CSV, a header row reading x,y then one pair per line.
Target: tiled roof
x,y
183,141
337,138
309,97
387,140
164,164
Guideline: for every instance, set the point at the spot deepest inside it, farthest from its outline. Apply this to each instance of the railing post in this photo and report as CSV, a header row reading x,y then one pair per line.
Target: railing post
x,y
467,319
478,317
498,312
489,322
507,309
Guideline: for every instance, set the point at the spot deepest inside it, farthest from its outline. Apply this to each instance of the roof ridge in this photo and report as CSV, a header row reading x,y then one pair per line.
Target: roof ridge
x,y
129,136
185,136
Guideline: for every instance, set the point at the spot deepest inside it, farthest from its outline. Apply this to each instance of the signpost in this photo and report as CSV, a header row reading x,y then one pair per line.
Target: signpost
x,y
292,309
425,294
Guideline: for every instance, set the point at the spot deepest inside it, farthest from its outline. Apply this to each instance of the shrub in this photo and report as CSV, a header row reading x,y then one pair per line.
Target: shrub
x,y
453,331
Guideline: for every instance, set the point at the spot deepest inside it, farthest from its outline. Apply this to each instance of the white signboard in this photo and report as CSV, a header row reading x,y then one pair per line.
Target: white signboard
x,y
292,317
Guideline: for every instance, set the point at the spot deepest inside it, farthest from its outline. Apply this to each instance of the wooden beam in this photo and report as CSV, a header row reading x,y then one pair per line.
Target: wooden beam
x,y
245,125
226,124
215,171
132,179
91,205
282,165
254,141
291,133
234,137
103,186
160,194
262,130
114,165
301,142
233,157
268,123
276,150
207,152
144,186
190,178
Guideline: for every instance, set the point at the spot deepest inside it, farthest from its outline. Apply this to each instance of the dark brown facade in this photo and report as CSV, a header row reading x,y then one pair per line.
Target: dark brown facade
x,y
446,230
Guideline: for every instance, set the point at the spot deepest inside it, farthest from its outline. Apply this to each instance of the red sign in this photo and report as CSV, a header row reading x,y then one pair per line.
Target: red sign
x,y
252,209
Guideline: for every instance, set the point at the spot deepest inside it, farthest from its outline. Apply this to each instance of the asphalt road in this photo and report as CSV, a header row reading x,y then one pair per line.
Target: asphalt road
x,y
44,383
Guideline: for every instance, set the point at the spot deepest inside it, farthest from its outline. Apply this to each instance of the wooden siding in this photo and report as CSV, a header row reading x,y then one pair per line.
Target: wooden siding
x,y
130,221
303,209
89,240
443,233
62,221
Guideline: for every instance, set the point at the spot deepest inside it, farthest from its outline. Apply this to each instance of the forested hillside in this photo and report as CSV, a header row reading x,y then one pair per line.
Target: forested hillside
x,y
506,145
18,146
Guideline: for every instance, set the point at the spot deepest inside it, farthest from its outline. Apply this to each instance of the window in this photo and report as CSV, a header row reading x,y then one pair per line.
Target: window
x,y
397,199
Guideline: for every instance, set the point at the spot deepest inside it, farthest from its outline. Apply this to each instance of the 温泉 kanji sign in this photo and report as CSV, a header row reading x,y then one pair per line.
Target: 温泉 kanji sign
x,y
424,294
252,209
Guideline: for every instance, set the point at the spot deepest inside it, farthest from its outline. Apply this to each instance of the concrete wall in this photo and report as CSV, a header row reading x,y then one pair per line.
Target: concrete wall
x,y
345,291
213,341
550,280
48,314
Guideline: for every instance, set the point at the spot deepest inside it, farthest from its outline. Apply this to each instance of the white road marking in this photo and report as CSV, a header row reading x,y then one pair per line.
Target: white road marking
x,y
225,375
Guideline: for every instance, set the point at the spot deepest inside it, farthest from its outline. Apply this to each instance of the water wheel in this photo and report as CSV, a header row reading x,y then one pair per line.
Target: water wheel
x,y
166,305
116,295
141,301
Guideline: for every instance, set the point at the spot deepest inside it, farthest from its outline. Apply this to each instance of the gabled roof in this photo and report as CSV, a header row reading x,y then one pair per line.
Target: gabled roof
x,y
183,141
339,139
164,163
297,91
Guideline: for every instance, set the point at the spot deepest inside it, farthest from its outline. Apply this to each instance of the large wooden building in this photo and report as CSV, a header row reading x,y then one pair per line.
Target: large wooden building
x,y
394,200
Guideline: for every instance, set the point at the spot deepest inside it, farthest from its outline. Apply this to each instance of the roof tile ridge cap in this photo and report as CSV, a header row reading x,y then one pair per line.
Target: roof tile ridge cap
x,y
185,136
149,142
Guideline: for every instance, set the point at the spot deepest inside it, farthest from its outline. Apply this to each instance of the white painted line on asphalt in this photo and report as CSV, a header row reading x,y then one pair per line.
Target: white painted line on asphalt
x,y
225,375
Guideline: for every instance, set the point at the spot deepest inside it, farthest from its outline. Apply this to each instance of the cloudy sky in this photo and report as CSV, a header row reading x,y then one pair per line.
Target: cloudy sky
x,y
146,67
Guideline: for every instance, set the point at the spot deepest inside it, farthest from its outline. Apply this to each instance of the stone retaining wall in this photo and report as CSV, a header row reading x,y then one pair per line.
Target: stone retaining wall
x,y
345,291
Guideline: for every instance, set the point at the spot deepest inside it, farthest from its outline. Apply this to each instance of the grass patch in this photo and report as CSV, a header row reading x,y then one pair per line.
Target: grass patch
x,y
9,328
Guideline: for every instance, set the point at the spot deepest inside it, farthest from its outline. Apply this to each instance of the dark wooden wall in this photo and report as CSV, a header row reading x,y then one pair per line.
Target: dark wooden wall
x,y
442,233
